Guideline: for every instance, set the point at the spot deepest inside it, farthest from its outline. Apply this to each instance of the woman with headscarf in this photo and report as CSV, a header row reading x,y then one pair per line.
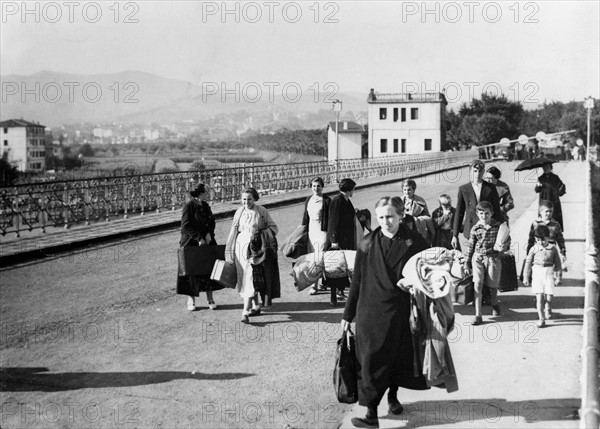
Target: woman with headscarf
x,y
551,188
251,242
197,229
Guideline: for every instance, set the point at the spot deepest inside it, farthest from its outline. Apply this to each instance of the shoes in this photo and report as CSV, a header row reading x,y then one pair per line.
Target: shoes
x,y
212,305
395,408
255,312
245,319
191,304
496,310
364,422
341,295
541,323
477,321
313,292
548,313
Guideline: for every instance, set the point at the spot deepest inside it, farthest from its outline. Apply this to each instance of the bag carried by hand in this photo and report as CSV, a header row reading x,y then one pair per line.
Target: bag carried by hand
x,y
198,260
345,373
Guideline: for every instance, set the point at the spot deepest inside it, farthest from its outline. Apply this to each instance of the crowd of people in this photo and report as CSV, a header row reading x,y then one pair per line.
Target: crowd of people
x,y
379,301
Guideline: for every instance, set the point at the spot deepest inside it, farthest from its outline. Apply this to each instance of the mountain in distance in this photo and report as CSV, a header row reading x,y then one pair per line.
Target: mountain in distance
x,y
128,97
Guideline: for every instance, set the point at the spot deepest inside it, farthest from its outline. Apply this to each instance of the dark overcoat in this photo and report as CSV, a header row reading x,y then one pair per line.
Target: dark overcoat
x,y
466,203
381,310
552,188
341,223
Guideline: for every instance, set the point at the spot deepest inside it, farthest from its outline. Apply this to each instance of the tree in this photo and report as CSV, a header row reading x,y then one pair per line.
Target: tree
x,y
86,150
8,173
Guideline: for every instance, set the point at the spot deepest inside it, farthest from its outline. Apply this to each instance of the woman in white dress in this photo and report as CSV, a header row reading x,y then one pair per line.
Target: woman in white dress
x,y
316,216
252,220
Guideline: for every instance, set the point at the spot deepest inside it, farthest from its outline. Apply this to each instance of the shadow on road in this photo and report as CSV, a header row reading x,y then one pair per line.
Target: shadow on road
x,y
36,379
431,413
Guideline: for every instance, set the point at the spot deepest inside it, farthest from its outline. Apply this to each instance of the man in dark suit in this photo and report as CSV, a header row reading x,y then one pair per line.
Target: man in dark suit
x,y
469,195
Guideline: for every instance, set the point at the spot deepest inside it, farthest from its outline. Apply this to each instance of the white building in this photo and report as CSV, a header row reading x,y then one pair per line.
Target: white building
x,y
406,123
349,141
23,144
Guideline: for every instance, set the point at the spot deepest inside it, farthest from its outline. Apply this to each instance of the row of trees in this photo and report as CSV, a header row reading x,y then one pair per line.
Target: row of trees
x,y
491,118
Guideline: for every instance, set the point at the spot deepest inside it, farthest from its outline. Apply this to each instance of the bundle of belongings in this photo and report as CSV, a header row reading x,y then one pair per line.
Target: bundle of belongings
x,y
331,264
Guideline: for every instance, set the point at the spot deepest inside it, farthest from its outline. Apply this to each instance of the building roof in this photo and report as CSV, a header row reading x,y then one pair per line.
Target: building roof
x,y
351,127
13,123
425,97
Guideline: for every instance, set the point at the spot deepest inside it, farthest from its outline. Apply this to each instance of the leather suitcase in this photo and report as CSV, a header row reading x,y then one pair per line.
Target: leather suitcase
x,y
508,273
464,291
224,273
198,260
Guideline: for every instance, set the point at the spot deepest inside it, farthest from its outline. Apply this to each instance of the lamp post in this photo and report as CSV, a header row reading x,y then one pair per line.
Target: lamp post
x,y
589,105
337,108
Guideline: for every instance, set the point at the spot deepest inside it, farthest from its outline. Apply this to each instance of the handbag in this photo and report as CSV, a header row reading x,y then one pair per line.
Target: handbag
x,y
464,291
345,373
296,244
198,260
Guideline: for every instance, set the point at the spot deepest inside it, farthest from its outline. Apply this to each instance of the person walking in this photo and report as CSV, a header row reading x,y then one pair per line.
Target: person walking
x,y
343,232
252,240
507,203
443,218
197,229
551,188
316,218
469,195
381,309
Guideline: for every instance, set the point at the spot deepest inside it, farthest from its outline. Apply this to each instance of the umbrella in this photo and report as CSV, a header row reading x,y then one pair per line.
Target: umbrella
x,y
531,164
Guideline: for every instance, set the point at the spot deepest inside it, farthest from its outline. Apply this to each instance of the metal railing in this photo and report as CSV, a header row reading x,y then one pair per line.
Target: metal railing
x,y
64,203
590,406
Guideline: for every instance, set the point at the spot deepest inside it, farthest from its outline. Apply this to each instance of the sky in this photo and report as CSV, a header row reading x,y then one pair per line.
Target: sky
x,y
531,51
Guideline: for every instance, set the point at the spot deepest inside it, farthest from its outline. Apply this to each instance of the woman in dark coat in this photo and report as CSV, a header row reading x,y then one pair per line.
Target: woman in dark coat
x,y
384,343
550,188
197,228
342,231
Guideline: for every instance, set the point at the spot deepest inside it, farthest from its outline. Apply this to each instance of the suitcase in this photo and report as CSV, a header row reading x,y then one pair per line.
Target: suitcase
x,y
198,260
464,291
224,273
508,273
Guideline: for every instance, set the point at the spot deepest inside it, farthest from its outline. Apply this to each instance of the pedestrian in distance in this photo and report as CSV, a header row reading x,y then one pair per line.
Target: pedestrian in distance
x,y
443,218
483,258
544,266
316,218
252,240
551,188
492,176
197,229
381,309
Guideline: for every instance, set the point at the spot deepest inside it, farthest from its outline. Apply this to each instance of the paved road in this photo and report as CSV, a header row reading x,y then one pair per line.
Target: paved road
x,y
95,338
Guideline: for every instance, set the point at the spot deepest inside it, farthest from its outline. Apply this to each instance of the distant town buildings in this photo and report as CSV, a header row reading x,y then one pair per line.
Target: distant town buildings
x,y
406,123
349,140
23,144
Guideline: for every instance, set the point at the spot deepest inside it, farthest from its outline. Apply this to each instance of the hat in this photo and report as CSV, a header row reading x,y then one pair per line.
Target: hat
x,y
477,162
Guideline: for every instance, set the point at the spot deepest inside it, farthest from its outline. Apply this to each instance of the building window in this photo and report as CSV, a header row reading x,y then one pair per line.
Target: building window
x,y
427,144
5,130
403,116
395,145
383,146
382,113
5,142
414,113
403,146
395,114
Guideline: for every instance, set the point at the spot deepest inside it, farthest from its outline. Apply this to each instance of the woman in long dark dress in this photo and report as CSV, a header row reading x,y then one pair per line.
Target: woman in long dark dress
x,y
551,188
381,309
197,229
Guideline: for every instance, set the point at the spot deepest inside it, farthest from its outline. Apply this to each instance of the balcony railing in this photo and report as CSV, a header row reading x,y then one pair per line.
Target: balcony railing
x,y
37,206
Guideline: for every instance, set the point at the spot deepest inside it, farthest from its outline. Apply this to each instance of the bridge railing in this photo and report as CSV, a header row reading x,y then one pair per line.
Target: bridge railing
x,y
30,207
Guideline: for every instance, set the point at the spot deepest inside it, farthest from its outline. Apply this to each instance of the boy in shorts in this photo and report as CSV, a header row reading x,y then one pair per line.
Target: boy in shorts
x,y
543,263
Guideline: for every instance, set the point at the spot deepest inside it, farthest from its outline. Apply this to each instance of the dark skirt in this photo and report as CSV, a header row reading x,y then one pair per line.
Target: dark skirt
x,y
193,285
272,284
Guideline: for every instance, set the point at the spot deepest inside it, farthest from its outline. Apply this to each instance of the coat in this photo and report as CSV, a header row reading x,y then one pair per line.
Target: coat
x,y
381,310
466,203
341,225
552,188
197,221
324,213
